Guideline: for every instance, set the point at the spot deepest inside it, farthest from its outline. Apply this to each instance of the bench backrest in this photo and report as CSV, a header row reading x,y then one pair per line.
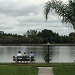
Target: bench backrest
x,y
23,58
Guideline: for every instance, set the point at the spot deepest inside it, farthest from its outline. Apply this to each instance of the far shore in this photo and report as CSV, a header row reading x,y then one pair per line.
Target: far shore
x,y
37,44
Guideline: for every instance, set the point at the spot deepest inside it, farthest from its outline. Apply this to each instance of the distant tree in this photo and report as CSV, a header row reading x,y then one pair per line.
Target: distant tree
x,y
49,36
72,34
31,33
72,37
66,11
1,32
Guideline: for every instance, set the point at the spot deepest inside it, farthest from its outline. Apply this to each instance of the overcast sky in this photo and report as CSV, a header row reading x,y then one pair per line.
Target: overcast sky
x,y
18,16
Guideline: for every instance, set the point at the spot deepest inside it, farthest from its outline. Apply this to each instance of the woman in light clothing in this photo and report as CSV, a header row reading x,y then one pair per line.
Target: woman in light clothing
x,y
31,54
25,54
19,53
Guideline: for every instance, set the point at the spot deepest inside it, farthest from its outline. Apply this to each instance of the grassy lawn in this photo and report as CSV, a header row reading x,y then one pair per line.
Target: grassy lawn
x,y
31,69
68,70
18,70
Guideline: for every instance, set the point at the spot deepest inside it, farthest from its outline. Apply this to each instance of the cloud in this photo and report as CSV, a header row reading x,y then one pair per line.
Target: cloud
x,y
18,16
18,8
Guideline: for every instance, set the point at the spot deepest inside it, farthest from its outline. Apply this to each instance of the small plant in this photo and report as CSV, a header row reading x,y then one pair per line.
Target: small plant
x,y
47,58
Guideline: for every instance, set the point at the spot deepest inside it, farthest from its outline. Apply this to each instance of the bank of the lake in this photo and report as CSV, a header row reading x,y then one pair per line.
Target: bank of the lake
x,y
41,64
37,44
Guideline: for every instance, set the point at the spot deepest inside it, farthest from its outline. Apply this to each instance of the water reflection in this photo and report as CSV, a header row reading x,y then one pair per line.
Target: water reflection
x,y
57,53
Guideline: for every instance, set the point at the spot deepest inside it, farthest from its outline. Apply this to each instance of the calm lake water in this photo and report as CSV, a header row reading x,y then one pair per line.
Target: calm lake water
x,y
57,53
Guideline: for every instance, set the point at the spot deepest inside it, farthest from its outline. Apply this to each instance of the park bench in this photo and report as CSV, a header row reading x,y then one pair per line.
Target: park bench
x,y
24,59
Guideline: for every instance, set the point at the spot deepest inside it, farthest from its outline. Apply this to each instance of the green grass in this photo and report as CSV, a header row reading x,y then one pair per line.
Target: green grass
x,y
18,70
32,69
67,70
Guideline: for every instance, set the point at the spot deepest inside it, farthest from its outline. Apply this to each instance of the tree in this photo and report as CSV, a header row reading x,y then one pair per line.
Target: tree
x,y
31,33
72,34
66,11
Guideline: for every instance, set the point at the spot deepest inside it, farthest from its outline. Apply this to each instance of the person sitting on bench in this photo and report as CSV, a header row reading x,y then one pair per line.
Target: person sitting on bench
x,y
19,53
31,54
25,54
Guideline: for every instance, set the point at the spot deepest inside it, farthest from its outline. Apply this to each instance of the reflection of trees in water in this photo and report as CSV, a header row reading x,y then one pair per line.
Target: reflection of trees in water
x,y
12,49
1,51
51,50
72,52
54,52
38,51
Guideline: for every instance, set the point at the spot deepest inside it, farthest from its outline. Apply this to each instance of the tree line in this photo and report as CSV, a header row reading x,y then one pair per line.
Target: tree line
x,y
37,37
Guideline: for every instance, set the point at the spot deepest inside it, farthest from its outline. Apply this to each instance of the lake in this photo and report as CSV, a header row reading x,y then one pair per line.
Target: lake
x,y
57,53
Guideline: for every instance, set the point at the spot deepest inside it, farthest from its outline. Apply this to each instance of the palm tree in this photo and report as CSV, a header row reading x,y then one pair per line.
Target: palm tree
x,y
66,11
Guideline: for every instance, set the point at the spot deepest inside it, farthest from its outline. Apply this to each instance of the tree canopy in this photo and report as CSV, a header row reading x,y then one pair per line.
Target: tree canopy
x,y
66,11
36,37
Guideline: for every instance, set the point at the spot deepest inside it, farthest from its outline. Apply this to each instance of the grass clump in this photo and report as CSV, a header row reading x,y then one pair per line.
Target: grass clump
x,y
18,70
67,70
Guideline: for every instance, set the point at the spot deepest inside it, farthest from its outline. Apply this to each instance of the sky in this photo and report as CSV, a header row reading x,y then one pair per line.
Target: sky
x,y
19,16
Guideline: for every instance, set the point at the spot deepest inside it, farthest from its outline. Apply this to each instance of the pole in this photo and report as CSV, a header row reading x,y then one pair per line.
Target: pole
x,y
48,53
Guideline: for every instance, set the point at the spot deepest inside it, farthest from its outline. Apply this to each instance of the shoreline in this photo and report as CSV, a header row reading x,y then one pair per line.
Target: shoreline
x,y
37,44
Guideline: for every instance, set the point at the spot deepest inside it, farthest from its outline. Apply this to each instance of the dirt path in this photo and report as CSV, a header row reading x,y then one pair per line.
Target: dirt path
x,y
45,71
